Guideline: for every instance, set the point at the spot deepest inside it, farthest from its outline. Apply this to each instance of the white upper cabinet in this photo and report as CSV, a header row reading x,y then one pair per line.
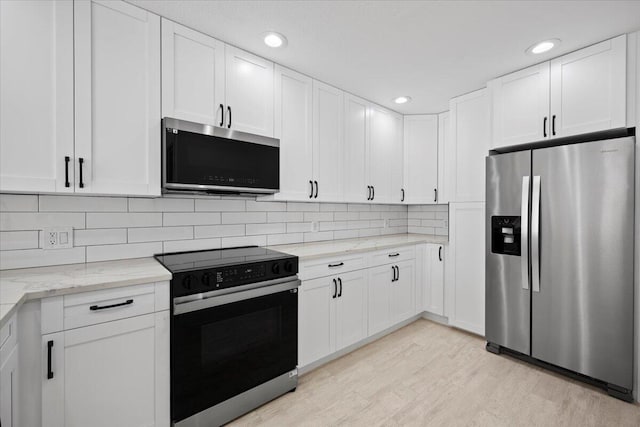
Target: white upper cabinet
x,y
421,158
293,126
588,89
441,195
328,116
192,75
468,147
385,155
584,91
520,104
36,106
117,99
249,92
356,134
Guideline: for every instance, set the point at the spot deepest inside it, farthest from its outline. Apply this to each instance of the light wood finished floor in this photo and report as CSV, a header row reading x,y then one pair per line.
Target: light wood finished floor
x,y
430,374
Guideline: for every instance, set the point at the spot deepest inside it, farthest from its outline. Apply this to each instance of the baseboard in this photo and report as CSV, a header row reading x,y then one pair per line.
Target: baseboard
x,y
436,318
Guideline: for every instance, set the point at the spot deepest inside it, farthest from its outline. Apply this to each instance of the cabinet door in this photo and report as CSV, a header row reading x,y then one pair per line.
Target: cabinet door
x,y
328,116
117,101
36,106
441,196
293,126
403,291
520,104
9,390
469,147
465,274
379,298
192,75
588,89
420,158
316,319
249,92
356,134
104,375
351,309
396,162
385,154
434,283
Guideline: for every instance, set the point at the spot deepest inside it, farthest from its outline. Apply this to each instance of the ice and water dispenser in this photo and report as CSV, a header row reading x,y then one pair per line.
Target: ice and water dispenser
x,y
505,235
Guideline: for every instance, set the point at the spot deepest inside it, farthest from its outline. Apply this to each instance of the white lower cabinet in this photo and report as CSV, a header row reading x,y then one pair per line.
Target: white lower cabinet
x,y
109,373
465,274
9,374
433,295
332,314
391,295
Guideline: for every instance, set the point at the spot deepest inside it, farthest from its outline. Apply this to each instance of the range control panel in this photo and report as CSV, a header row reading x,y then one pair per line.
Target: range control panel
x,y
200,281
505,235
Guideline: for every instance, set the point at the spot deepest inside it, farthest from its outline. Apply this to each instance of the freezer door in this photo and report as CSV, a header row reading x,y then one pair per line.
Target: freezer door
x,y
507,314
582,300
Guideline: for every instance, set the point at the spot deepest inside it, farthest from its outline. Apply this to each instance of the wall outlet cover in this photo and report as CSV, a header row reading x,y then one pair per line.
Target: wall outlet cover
x,y
56,238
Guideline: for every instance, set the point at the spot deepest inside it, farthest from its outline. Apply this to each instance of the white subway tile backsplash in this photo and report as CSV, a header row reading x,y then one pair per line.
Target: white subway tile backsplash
x,y
119,220
303,207
102,236
234,242
164,204
129,250
221,205
12,240
191,245
155,234
191,218
82,204
40,257
253,206
244,217
318,216
272,228
108,228
285,216
18,203
284,239
207,231
10,221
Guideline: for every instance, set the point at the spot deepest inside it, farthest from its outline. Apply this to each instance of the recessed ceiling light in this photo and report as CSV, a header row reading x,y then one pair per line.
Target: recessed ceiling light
x,y
402,99
273,39
543,46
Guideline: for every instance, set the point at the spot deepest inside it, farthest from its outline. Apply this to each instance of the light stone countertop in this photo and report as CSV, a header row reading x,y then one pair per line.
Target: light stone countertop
x,y
18,286
313,250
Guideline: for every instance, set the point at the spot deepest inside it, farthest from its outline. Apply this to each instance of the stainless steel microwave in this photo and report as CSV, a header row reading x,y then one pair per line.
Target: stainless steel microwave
x,y
204,158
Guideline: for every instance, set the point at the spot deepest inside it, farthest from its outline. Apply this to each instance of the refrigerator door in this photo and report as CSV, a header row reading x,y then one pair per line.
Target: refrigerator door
x,y
582,300
507,314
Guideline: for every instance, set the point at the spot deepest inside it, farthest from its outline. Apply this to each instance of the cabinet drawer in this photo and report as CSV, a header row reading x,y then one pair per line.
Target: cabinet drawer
x,y
8,338
393,255
106,305
330,266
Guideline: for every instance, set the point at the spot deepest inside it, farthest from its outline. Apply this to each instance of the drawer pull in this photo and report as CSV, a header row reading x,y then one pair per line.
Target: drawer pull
x,y
340,264
97,307
394,255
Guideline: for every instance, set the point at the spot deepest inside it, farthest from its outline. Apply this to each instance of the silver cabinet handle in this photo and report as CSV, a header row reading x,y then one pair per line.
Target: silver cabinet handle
x,y
535,235
524,233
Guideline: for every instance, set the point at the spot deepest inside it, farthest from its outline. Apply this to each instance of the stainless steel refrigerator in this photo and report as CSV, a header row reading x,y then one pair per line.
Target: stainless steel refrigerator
x,y
559,258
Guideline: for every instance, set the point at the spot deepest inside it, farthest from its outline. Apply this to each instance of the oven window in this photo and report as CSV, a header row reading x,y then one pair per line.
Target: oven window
x,y
220,352
192,158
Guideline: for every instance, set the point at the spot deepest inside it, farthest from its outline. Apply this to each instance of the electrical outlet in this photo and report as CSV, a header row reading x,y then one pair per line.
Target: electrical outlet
x,y
57,238
315,226
385,223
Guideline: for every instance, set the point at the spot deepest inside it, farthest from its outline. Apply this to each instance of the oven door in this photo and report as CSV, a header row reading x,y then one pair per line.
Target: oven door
x,y
221,351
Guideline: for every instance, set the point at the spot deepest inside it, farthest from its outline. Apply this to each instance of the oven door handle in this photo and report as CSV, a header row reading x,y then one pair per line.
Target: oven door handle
x,y
202,302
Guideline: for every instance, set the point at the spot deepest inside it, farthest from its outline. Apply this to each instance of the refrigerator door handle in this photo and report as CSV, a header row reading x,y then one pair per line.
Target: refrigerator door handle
x,y
535,235
524,233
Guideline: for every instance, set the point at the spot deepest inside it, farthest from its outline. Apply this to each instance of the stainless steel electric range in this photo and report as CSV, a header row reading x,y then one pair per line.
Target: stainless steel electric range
x,y
234,332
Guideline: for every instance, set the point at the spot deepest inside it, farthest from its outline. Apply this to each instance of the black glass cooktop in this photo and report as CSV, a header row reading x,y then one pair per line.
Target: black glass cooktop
x,y
198,260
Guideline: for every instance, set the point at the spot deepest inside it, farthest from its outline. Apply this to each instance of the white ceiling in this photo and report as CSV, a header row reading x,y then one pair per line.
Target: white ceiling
x,y
429,50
